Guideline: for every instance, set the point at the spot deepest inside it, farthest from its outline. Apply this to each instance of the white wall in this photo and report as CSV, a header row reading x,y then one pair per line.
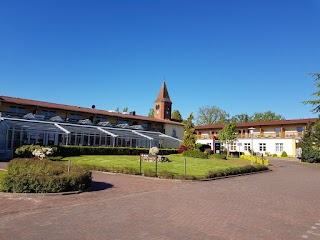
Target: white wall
x,y
288,145
169,129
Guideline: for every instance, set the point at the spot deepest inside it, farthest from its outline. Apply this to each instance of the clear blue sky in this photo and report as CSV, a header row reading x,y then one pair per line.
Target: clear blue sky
x,y
242,56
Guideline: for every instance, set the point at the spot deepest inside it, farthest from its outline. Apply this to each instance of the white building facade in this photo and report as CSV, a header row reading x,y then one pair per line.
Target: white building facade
x,y
269,137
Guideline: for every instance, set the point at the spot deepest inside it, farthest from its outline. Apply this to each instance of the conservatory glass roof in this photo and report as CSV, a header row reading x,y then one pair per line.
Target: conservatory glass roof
x,y
76,128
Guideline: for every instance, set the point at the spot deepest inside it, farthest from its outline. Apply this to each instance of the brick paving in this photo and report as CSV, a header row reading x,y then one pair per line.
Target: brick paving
x,y
282,204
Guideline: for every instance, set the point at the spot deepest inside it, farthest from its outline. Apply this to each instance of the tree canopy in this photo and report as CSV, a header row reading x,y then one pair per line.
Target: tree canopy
x,y
208,115
240,118
189,136
151,113
228,135
266,116
315,103
176,115
310,143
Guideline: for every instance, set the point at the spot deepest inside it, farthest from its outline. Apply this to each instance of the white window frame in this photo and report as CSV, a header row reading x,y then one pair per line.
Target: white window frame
x,y
233,147
279,147
262,147
247,146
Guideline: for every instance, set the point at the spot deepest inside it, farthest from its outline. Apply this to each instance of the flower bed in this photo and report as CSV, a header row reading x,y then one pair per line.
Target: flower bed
x,y
256,159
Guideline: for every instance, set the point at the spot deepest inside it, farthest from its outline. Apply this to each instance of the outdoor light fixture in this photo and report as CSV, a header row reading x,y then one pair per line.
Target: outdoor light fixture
x,y
251,132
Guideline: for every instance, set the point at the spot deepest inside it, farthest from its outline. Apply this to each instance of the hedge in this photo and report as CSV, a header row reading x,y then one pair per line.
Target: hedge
x,y
218,156
68,151
236,171
195,154
42,176
256,159
310,155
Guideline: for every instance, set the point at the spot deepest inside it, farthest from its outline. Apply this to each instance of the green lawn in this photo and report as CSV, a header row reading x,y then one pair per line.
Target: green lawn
x,y
2,174
195,166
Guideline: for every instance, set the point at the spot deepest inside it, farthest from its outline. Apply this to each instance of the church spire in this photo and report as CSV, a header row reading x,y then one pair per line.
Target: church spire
x,y
163,95
162,105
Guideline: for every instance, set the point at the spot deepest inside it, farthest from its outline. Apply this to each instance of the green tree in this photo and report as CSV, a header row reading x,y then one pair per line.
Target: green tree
x,y
310,143
266,116
240,118
189,136
125,109
151,113
315,103
228,135
117,109
208,115
176,115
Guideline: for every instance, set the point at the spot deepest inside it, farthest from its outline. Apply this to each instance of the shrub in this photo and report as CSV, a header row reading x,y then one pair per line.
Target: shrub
x,y
311,156
55,158
187,177
274,155
256,159
149,173
218,156
182,149
235,170
195,154
208,151
202,147
284,154
129,170
35,176
166,174
28,151
268,154
68,151
25,151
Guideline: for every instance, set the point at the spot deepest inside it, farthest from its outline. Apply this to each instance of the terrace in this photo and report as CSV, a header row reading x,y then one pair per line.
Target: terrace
x,y
288,134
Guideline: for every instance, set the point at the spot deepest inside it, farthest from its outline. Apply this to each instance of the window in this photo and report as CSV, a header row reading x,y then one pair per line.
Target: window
x,y
17,110
75,117
100,119
300,129
233,147
122,122
262,147
277,130
279,147
247,146
48,113
174,133
147,126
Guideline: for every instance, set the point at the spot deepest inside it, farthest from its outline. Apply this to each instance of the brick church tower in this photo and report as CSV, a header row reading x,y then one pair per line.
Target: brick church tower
x,y
162,105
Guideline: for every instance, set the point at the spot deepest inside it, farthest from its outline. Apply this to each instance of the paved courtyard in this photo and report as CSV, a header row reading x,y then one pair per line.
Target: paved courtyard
x,y
282,204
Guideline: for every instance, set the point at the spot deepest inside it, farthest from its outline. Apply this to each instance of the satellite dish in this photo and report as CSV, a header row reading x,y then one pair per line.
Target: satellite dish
x,y
93,106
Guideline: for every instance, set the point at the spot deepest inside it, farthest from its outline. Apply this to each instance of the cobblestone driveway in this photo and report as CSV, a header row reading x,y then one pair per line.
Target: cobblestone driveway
x,y
282,204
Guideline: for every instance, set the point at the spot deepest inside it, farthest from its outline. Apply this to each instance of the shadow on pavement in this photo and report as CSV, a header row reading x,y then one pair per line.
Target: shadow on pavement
x,y
99,186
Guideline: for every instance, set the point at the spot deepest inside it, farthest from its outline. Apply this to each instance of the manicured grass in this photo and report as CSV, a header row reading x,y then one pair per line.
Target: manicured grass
x,y
195,166
2,175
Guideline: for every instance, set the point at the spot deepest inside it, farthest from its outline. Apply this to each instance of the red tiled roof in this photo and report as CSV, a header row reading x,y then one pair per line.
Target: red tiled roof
x,y
28,102
264,123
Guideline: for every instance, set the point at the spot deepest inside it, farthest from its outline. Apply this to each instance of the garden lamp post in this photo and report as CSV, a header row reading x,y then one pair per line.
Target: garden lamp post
x,y
251,132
